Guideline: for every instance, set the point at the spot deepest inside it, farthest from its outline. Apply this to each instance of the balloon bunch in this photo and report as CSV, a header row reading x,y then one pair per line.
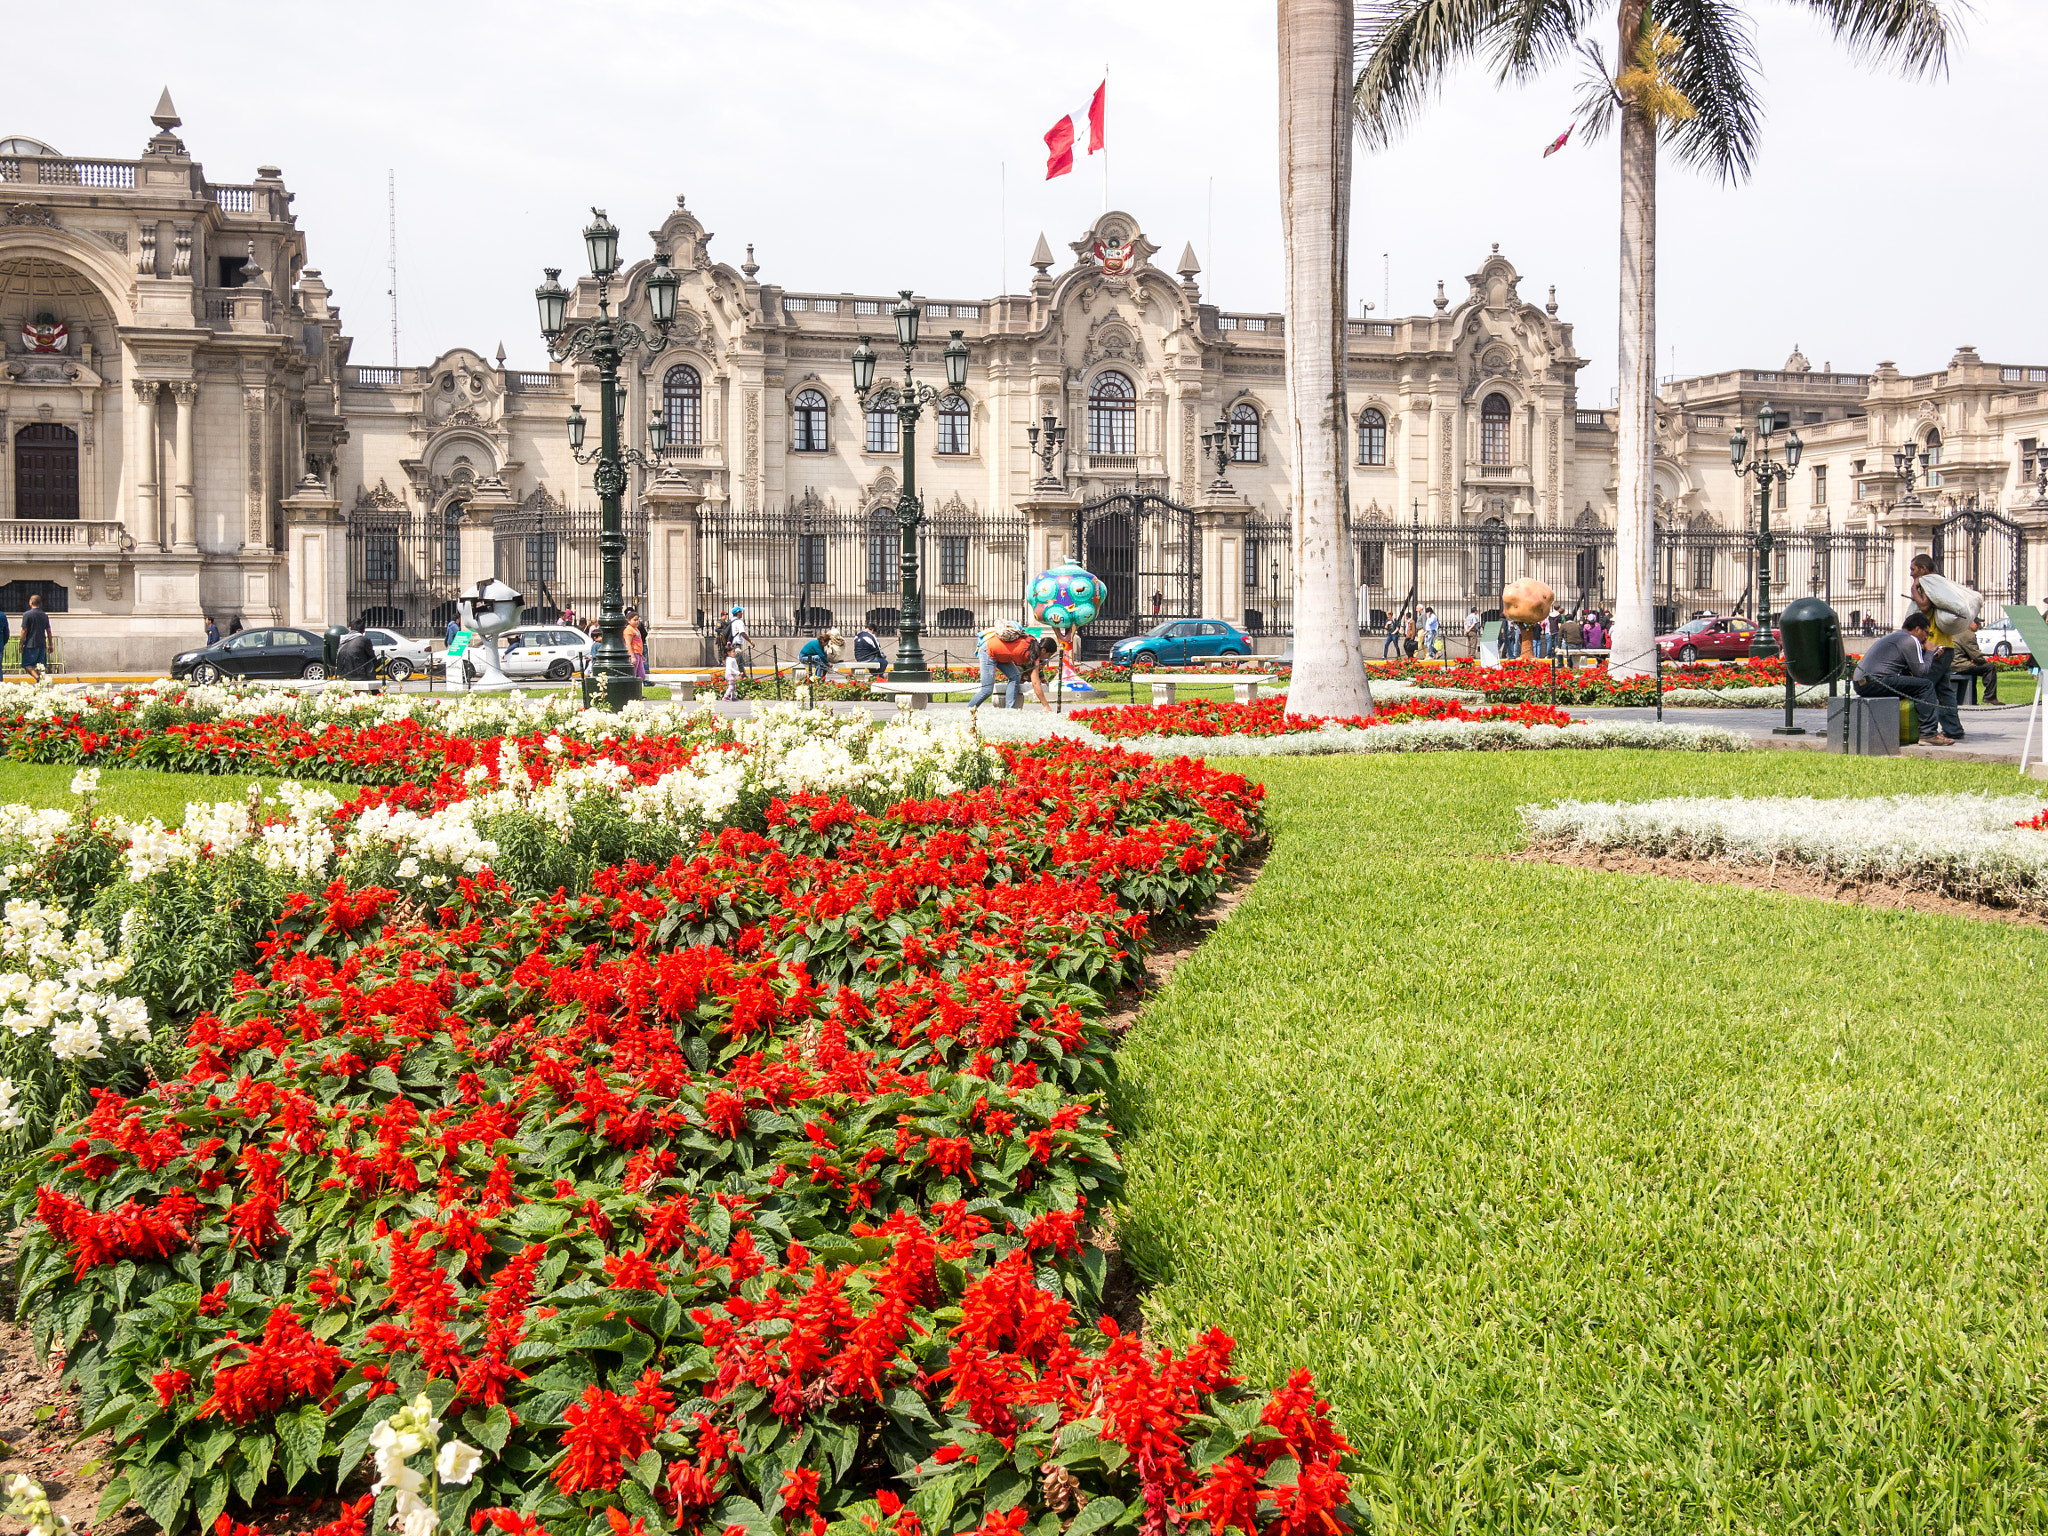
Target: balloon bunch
x,y
1065,597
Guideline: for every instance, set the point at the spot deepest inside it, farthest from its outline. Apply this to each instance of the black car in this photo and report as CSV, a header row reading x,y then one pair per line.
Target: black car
x,y
255,653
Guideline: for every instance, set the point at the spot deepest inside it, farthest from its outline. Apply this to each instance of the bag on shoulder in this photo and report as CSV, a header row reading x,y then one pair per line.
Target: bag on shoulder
x,y
724,636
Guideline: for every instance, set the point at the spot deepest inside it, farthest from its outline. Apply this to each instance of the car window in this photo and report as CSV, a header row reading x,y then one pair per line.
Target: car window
x,y
384,637
516,637
1740,627
561,637
248,639
1213,628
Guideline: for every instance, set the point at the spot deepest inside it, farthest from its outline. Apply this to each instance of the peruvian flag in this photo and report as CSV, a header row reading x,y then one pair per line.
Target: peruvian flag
x,y
1077,130
1558,143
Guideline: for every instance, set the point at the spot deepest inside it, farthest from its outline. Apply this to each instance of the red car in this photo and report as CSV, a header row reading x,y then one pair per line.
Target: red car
x,y
1710,639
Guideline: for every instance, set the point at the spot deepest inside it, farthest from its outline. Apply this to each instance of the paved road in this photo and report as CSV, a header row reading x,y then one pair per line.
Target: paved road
x,y
1991,733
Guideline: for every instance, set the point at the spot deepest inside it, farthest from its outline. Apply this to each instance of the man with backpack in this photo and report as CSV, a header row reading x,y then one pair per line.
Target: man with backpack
x,y
35,637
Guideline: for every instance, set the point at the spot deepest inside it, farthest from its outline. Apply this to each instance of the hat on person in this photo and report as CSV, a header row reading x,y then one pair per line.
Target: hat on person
x,y
736,608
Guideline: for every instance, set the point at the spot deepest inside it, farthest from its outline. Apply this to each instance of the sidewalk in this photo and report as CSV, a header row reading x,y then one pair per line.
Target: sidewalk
x,y
1992,732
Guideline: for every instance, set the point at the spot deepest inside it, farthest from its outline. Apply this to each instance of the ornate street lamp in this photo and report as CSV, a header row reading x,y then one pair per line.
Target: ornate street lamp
x,y
1766,471
908,400
1220,443
1902,465
606,342
1045,445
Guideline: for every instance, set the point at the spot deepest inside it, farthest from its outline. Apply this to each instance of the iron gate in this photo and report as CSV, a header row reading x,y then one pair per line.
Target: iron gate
x,y
1985,552
1147,552
554,556
402,574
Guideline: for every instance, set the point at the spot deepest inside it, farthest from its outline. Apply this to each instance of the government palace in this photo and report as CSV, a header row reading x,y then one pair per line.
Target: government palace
x,y
187,437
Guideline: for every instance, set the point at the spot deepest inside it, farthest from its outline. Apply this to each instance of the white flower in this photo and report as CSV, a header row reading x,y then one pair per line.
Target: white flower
x,y
418,1521
457,1462
85,783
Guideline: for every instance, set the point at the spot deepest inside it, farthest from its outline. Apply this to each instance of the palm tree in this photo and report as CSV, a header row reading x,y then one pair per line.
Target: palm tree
x,y
1686,75
1316,51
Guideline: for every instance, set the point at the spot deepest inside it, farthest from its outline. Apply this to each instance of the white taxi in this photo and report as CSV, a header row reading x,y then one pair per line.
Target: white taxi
x,y
555,652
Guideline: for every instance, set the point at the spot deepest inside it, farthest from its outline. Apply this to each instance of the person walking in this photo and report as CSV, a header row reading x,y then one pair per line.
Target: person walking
x,y
732,675
450,630
1432,633
1408,637
35,637
6,634
636,644
1003,649
1473,624
212,633
1392,647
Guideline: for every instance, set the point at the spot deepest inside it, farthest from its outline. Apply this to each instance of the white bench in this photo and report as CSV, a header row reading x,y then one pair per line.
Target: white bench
x,y
1244,687
917,695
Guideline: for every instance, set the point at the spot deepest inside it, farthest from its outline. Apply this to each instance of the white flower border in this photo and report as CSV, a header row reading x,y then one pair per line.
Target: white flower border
x,y
1962,844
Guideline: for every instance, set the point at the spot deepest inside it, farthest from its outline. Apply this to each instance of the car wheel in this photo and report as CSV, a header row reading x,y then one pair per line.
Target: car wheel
x,y
558,671
398,670
1143,659
206,674
1689,653
1230,655
2003,648
314,672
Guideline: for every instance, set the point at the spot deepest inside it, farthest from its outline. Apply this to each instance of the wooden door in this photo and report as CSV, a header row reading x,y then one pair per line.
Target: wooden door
x,y
46,471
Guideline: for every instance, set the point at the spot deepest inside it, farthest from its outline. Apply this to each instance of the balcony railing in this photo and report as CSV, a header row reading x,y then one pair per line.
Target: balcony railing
x,y
1497,472
234,199
389,378
537,383
1112,461
62,535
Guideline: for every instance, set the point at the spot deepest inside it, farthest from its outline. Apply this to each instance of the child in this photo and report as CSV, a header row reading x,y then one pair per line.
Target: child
x,y
732,673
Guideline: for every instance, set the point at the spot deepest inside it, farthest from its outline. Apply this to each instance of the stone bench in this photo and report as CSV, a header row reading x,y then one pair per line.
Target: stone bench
x,y
917,695
1244,687
1872,727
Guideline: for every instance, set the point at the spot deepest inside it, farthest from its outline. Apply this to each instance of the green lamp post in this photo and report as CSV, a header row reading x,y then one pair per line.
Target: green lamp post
x,y
607,341
1767,471
908,400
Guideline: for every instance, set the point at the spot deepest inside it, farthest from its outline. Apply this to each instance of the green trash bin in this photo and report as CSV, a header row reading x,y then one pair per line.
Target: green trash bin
x,y
330,648
1812,637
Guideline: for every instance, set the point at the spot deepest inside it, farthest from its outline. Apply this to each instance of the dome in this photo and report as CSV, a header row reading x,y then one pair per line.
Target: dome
x,y
25,146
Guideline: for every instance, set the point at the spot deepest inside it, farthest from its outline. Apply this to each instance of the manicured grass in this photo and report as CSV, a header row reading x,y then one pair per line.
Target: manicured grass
x,y
137,792
1604,1202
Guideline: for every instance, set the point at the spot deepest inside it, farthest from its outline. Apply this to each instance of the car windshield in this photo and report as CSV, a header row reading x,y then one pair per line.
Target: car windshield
x,y
1697,625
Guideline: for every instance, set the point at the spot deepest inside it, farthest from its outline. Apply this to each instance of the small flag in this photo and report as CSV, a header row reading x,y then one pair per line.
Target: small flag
x,y
1075,682
1558,143
1081,130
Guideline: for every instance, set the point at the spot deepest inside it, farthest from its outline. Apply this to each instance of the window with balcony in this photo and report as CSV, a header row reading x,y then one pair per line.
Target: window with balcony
x,y
1493,432
1372,438
807,423
1244,434
451,540
682,405
1113,415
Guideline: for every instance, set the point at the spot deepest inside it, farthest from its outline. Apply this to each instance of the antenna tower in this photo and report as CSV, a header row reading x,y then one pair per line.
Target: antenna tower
x,y
391,257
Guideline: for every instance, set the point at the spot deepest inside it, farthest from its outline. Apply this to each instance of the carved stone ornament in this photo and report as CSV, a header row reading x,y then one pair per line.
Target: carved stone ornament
x,y
110,578
382,499
28,213
539,500
81,582
116,239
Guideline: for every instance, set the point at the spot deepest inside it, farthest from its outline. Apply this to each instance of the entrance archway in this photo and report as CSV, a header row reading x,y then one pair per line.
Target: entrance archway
x,y
46,471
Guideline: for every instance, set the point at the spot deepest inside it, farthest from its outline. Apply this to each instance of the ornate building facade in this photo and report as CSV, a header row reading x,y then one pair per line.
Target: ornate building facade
x,y
186,436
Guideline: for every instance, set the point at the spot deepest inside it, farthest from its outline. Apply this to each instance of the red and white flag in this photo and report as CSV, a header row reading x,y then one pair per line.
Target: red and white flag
x,y
1077,130
1558,143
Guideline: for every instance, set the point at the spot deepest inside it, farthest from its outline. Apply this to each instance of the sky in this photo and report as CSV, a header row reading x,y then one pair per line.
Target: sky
x,y
869,147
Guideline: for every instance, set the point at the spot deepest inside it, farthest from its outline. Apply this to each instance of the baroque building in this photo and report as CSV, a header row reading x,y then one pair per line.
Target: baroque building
x,y
186,437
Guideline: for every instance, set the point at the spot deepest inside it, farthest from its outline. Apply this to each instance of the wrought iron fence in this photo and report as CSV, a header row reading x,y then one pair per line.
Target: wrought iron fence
x,y
554,555
402,574
1268,575
1147,552
1701,571
815,565
1983,551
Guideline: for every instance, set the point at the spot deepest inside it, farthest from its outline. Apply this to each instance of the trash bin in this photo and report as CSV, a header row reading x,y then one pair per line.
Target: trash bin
x,y
1812,638
330,646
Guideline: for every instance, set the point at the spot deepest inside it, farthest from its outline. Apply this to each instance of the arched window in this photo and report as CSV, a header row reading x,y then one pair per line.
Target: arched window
x,y
682,405
1493,430
953,420
1113,415
1493,557
451,540
882,429
807,423
1244,434
1372,438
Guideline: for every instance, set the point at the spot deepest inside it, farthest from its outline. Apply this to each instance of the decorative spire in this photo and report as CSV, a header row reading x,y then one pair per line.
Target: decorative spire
x,y
501,355
1551,308
165,142
1442,303
1188,265
749,266
166,116
1041,255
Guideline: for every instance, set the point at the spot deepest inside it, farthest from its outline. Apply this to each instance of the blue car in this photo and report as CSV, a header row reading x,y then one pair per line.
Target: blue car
x,y
1177,642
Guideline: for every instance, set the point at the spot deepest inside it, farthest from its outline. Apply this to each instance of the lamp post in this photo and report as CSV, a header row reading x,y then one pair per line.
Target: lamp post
x,y
607,341
1766,470
908,400
1220,443
1045,447
1902,466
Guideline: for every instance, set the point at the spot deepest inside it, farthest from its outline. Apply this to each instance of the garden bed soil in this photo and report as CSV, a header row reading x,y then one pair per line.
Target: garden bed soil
x,y
1792,880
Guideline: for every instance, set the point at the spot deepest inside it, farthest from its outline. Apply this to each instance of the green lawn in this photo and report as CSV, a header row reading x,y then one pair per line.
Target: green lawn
x,y
1606,1202
136,792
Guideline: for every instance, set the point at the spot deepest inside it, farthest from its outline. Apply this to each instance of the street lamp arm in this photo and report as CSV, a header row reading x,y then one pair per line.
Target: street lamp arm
x,y
621,336
898,397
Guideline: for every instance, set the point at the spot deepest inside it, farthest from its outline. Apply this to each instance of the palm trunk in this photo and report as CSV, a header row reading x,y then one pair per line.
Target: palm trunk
x,y
1635,620
1315,215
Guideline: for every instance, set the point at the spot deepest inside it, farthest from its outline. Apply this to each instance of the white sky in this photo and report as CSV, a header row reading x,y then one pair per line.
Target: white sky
x,y
858,147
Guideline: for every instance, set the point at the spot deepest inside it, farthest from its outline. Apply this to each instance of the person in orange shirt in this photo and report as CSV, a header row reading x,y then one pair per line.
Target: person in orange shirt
x,y
1005,648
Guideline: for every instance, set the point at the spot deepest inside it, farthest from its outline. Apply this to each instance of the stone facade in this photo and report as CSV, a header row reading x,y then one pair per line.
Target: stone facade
x,y
229,460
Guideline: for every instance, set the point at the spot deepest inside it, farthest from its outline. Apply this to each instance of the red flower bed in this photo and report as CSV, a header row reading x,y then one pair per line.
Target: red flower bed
x,y
746,1192
1268,717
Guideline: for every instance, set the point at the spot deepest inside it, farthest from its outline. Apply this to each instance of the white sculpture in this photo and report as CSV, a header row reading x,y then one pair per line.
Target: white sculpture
x,y
488,612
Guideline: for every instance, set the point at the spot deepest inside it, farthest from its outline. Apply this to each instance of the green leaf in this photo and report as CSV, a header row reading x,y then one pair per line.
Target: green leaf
x,y
163,1494
640,1504
935,1500
490,1428
1095,1514
215,1445
647,1470
210,1497
254,1466
1005,1489
113,1500
301,1433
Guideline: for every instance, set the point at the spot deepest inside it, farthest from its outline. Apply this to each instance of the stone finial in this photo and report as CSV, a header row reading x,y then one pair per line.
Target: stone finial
x,y
501,354
1496,247
166,116
1797,362
1966,356
1551,308
1041,255
1442,303
1188,265
750,266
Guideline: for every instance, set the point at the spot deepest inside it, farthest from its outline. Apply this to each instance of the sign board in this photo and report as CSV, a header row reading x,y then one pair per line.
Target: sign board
x,y
464,638
2032,627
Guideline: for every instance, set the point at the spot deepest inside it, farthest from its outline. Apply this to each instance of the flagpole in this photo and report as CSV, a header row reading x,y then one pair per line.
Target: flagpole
x,y
1105,136
1003,225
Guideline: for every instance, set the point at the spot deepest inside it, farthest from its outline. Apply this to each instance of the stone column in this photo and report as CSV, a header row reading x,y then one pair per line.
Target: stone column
x,y
675,627
1048,527
185,392
316,557
149,532
480,535
1221,518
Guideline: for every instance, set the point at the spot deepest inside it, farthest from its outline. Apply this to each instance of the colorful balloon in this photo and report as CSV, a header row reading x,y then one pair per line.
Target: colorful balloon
x,y
1065,597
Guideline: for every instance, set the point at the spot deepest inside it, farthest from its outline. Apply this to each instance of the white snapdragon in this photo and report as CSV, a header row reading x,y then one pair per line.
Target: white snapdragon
x,y
393,1444
62,983
28,1503
11,1117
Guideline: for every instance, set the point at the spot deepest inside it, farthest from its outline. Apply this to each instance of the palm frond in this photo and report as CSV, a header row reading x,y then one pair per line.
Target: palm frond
x,y
1406,49
1596,94
1913,35
1714,66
